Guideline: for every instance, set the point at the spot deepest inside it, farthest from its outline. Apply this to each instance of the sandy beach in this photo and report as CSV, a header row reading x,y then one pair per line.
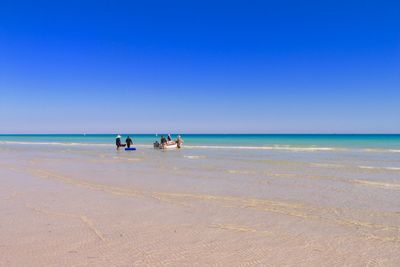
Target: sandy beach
x,y
93,206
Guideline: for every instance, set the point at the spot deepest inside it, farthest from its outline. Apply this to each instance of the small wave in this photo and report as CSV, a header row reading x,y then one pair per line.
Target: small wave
x,y
381,150
380,168
277,147
63,144
50,143
287,148
393,168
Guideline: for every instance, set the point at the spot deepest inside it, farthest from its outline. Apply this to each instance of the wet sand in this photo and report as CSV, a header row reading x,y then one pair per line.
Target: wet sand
x,y
94,206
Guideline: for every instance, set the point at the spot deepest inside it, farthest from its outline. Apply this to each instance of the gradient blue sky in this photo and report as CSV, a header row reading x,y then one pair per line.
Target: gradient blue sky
x,y
200,66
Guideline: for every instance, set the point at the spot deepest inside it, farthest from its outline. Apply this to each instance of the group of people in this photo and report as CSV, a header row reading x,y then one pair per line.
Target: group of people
x,y
164,142
168,141
118,143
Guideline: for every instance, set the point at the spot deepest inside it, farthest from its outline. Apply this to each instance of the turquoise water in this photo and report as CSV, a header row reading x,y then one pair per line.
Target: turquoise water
x,y
361,141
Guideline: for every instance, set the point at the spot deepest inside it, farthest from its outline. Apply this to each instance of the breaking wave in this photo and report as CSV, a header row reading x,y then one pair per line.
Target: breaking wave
x,y
380,168
231,147
287,148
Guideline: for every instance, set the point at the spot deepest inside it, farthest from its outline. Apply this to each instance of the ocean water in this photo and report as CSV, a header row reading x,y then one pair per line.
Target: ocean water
x,y
366,142
326,200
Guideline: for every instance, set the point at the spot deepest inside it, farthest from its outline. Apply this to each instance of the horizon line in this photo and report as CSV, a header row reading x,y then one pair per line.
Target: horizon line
x,y
283,133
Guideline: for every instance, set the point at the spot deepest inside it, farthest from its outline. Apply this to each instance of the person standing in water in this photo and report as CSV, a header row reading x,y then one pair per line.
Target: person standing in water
x,y
163,140
179,141
129,142
118,141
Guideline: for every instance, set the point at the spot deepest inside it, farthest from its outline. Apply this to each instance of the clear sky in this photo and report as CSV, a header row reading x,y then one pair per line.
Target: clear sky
x,y
200,66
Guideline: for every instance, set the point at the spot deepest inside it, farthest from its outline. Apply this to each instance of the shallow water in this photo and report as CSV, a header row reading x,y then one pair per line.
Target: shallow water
x,y
368,142
277,206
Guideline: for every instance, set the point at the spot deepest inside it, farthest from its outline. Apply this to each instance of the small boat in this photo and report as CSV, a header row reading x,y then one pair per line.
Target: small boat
x,y
169,145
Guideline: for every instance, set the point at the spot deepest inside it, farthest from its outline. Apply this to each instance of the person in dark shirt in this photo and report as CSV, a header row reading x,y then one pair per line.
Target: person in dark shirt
x,y
169,137
118,141
163,140
129,142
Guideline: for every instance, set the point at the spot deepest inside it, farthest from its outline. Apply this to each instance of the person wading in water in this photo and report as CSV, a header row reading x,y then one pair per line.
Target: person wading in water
x,y
129,142
118,142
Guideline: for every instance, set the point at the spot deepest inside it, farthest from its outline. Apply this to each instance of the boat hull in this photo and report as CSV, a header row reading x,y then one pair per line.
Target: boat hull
x,y
173,145
169,146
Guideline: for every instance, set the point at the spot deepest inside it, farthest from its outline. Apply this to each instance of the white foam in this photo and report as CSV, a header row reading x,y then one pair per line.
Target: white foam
x,y
50,143
288,148
382,150
62,144
277,147
380,168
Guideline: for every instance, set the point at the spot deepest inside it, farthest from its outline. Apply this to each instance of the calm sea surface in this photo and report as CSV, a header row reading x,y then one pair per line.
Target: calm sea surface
x,y
251,141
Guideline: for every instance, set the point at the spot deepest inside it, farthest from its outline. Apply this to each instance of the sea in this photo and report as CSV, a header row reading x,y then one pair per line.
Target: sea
x,y
389,143
338,194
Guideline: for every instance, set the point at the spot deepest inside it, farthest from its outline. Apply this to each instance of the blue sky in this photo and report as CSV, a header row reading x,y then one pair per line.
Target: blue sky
x,y
200,66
